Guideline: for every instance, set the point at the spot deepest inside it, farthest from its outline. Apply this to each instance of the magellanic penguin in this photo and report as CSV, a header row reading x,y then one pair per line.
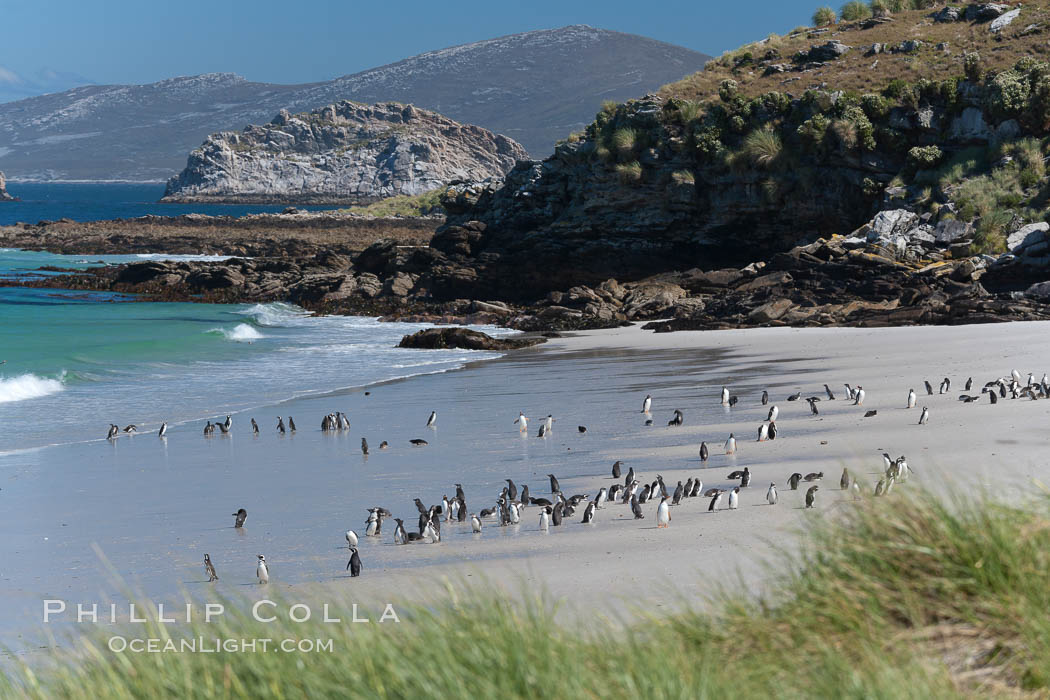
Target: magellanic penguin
x,y
734,498
113,430
636,508
291,423
616,469
813,406
924,418
354,565
929,388
280,425
849,392
400,536
372,524
588,513
811,496
131,429
793,481
255,427
209,569
796,396
239,517
432,420
663,513
475,522
831,397
773,430
911,398
969,383
262,572
771,494
647,403
730,445
698,488
602,497
703,451
364,447
555,487
351,539
677,420
678,492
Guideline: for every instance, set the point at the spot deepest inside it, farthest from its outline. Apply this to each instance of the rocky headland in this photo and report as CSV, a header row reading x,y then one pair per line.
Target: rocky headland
x,y
342,153
4,195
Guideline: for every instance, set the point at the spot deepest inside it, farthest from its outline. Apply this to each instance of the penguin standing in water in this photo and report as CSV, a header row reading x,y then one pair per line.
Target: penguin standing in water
x,y
924,418
364,447
522,422
525,500
432,420
113,430
771,494
811,496
677,420
372,524
703,452
400,536
549,424
262,571
725,396
475,522
280,425
911,398
647,403
730,445
663,513
354,565
163,430
255,427
239,517
209,569
291,424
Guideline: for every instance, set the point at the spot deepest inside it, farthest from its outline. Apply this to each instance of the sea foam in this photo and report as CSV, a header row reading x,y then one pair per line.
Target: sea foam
x,y
241,333
27,386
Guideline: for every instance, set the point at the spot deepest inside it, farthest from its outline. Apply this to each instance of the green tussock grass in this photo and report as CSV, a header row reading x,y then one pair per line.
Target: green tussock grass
x,y
424,204
901,596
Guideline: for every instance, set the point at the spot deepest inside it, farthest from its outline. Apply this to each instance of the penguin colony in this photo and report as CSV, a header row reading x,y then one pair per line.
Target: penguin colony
x,y
510,503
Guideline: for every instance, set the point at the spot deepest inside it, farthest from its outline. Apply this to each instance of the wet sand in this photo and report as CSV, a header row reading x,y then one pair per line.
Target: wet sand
x,y
155,507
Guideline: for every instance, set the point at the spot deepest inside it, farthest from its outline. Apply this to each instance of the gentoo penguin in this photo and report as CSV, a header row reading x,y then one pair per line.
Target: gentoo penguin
x,y
228,422
763,432
354,565
663,513
351,539
745,478
545,518
602,497
725,396
688,490
163,430
773,413
614,493
113,430
814,476
616,469
924,418
433,419
811,496
771,494
716,501
542,431
209,569
946,384
1016,375
849,392
522,422
730,445
831,397
549,423
555,487
372,524
208,427
911,398
512,490
131,429
663,488
239,517
400,536
383,445
773,431
280,425
733,400
475,523
588,513
255,427
418,442
844,479
679,490
734,498
515,514
796,396
643,496
793,481
647,403
969,383
262,572
765,397
813,406
858,396
698,487
636,508
344,422
291,424
677,420
736,474
364,446
486,512
556,513
703,451
629,478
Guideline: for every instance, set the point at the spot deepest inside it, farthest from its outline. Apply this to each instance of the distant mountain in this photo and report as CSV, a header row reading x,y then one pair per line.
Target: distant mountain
x,y
18,87
534,87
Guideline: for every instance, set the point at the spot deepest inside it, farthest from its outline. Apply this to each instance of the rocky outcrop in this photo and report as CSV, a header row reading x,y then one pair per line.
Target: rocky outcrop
x,y
443,338
342,153
4,196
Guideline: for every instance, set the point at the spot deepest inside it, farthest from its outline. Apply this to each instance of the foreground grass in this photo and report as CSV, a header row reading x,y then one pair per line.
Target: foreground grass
x,y
900,597
425,204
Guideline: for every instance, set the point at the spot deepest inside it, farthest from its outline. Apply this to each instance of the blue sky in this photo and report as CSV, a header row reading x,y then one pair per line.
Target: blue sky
x,y
138,41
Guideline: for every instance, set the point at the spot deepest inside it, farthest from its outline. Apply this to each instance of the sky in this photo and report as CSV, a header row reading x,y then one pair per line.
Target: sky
x,y
142,41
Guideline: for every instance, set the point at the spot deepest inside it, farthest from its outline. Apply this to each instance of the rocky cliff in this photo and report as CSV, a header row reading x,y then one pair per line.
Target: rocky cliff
x,y
4,196
342,153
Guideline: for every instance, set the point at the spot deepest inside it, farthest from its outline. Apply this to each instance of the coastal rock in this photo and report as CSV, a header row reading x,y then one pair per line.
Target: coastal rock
x,y
947,14
342,153
1023,240
827,52
4,196
984,12
1000,22
443,338
970,127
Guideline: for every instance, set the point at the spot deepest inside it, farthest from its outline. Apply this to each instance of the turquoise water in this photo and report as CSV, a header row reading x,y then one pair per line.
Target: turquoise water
x,y
73,363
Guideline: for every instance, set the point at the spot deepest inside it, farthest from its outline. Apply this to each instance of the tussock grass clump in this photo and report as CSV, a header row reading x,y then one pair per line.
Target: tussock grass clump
x,y
402,205
624,141
763,148
823,17
854,10
897,597
629,173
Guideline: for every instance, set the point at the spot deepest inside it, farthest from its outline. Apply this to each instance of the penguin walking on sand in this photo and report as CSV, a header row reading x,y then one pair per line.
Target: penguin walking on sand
x,y
262,571
433,419
947,383
545,518
716,501
239,517
929,388
543,431
812,401
773,431
354,565
209,569
677,420
602,497
858,396
811,496
163,430
765,397
911,398
793,481
636,508
678,493
763,433
663,513
616,469
734,498
372,524
773,413
831,397
771,494
588,513
255,427
969,383
730,445
555,486
647,403
924,418
725,396
698,488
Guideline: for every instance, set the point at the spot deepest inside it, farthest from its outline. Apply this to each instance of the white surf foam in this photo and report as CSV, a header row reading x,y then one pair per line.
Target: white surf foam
x,y
241,333
27,386
275,314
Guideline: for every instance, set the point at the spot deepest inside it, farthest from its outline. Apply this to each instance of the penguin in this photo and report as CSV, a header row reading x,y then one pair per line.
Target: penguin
x,y
383,445
765,397
432,420
880,488
677,420
1016,375
545,519
813,406
745,479
663,513
280,425
663,487
420,507
773,431
475,523
556,514
647,403
163,430
771,494
811,496
512,490
113,430
679,490
636,508
372,524
911,398
602,497
730,445
131,429
773,413
698,487
354,565
844,479
351,539
734,498
688,488
222,427
418,442
555,487
648,422
643,496
400,536
549,424
208,427
239,517
929,388
871,414
515,515
793,481
969,383
209,569
364,447
703,451
345,422
814,476
525,495
582,429
616,469
991,397
542,431
858,397
614,493
262,571
763,433
588,513
946,384
522,422
924,418
831,397
716,500
629,478
849,392
255,427
725,396
291,424
856,490
733,401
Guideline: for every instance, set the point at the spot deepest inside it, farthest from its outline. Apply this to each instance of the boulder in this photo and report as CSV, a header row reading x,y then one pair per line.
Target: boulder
x,y
1039,290
970,127
827,52
443,338
399,285
770,311
215,278
378,257
947,14
1008,130
984,11
890,224
951,230
1026,237
1000,22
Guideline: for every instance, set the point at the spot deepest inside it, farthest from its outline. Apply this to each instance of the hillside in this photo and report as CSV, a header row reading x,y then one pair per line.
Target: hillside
x,y
342,153
535,87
